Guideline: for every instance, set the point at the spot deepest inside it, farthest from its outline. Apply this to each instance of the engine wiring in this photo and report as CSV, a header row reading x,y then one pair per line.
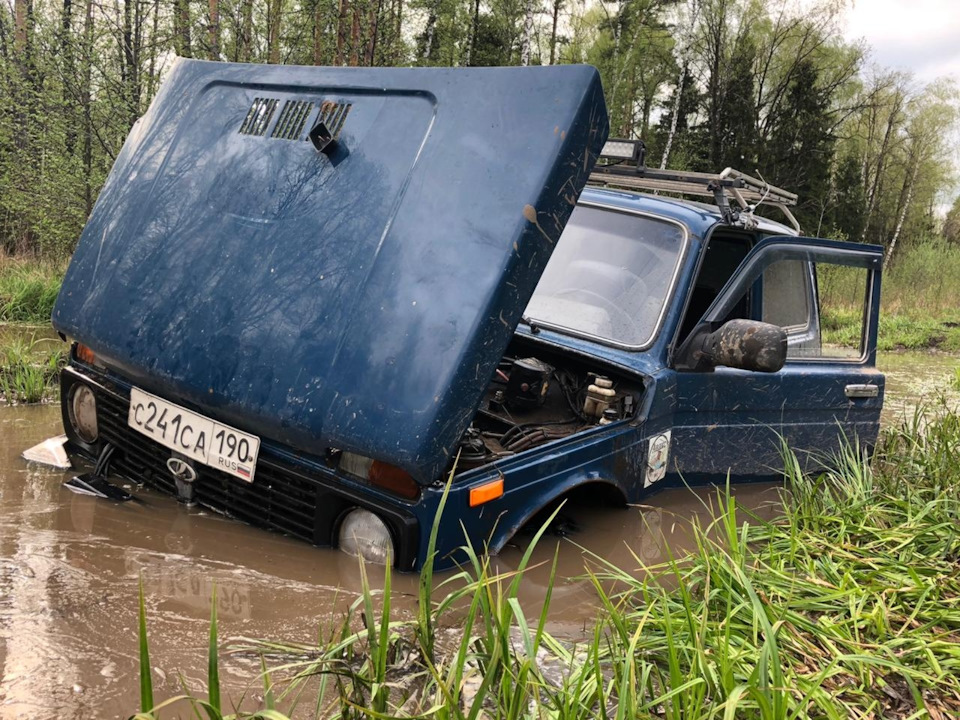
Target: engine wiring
x,y
499,433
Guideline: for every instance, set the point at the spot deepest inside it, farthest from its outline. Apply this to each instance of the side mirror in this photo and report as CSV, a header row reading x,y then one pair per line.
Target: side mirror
x,y
744,344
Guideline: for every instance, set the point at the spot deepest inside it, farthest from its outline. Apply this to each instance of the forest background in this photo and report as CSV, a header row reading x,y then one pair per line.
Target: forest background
x,y
767,86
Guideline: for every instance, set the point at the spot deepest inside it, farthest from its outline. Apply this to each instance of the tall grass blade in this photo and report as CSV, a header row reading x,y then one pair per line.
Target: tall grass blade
x,y
269,700
425,627
213,666
146,679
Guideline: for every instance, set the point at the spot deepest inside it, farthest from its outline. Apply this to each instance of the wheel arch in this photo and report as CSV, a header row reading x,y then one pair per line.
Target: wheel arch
x,y
610,493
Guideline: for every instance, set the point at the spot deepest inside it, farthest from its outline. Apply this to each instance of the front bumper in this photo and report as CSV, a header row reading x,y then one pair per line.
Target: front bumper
x,y
298,499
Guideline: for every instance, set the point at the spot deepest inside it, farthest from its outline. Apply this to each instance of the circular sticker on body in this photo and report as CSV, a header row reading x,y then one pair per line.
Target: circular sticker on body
x,y
658,453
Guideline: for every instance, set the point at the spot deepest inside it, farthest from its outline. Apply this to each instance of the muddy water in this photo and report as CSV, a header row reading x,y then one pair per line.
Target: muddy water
x,y
69,568
917,378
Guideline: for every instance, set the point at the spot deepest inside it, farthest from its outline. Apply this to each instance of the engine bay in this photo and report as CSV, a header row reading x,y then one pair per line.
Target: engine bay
x,y
537,396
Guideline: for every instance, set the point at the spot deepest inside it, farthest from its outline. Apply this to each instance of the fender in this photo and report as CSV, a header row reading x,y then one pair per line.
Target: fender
x,y
503,533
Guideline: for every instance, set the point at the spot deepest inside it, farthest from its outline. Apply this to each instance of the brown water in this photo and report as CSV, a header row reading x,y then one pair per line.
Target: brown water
x,y
69,568
917,378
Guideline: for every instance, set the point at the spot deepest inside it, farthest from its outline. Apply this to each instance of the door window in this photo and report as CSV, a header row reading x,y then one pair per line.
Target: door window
x,y
787,298
786,295
821,295
844,297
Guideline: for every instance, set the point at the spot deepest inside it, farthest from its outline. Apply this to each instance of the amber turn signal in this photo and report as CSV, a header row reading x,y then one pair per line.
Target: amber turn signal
x,y
486,492
85,354
393,479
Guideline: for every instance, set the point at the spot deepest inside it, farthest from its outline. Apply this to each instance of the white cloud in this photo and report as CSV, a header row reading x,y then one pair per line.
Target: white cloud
x,y
922,36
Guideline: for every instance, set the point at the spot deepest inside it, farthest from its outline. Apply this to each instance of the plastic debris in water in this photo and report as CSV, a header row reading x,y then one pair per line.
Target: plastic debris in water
x,y
96,486
50,452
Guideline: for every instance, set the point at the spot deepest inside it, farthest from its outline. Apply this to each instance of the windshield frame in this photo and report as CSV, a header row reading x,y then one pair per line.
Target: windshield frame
x,y
671,287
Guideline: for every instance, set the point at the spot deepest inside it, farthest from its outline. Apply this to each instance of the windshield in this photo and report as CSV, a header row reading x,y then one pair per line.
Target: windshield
x,y
609,276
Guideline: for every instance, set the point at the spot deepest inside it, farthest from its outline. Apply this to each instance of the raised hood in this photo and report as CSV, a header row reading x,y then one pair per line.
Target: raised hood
x,y
357,298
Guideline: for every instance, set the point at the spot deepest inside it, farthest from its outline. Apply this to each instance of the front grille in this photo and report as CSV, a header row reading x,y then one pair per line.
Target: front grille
x,y
280,498
291,497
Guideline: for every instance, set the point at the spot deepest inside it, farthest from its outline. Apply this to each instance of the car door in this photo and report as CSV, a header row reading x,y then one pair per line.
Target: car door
x,y
825,295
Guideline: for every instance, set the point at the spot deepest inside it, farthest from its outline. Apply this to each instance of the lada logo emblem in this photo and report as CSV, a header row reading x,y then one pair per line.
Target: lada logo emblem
x,y
181,469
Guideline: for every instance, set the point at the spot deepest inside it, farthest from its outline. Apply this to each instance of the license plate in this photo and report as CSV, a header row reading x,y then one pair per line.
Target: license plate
x,y
194,436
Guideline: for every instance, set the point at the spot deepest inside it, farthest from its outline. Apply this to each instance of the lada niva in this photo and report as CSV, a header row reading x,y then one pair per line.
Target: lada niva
x,y
309,298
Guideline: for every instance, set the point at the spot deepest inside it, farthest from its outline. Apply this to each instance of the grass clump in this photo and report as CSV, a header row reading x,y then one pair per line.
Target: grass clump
x,y
28,290
920,302
847,606
29,369
842,326
923,279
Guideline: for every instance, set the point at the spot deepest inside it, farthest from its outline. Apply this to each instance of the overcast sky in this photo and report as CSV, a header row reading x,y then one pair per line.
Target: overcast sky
x,y
922,36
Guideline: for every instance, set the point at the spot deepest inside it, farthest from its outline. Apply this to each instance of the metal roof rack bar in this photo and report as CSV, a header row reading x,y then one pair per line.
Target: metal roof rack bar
x,y
625,167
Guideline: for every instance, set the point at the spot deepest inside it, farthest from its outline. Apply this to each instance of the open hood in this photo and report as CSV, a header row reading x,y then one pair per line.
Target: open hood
x,y
356,294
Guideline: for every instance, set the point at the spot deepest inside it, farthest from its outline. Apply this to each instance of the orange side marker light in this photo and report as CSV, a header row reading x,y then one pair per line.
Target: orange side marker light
x,y
85,354
486,492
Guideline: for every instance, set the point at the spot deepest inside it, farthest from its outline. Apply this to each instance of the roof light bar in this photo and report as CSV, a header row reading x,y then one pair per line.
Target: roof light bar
x,y
623,150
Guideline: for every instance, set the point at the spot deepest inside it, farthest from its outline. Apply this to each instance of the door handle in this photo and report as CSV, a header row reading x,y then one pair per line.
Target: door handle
x,y
861,391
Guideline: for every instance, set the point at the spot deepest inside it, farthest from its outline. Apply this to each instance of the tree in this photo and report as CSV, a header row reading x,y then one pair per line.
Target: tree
x,y
632,48
765,85
181,27
213,29
800,152
951,224
932,113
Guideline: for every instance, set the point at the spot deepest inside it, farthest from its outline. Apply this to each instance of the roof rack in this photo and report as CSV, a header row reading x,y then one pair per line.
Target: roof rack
x,y
625,168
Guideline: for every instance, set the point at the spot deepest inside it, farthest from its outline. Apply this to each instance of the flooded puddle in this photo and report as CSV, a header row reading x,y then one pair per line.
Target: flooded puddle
x,y
915,378
69,569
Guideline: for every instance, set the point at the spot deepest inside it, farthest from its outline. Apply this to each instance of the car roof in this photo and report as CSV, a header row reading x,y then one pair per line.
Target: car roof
x,y
697,216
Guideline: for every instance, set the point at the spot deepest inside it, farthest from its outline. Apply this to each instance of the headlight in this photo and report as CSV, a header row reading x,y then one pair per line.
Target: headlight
x,y
364,534
82,410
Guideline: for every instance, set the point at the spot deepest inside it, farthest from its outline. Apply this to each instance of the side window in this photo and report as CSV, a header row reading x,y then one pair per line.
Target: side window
x,y
819,294
843,297
788,300
786,295
819,305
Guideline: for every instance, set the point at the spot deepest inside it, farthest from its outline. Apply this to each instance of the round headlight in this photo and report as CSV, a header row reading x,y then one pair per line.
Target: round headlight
x,y
82,406
364,534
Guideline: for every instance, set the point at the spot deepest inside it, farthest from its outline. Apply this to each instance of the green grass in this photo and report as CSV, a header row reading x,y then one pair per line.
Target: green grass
x,y
29,368
841,326
28,290
848,606
920,301
924,280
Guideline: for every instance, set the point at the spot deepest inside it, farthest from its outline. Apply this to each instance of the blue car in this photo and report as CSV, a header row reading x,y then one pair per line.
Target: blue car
x,y
310,298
